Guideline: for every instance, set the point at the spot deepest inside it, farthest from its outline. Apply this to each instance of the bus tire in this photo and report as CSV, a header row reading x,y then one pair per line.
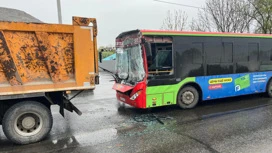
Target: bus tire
x,y
27,122
188,97
269,88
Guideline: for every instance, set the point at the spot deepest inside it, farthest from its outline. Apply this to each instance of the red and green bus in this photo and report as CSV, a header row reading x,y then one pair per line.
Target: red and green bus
x,y
158,68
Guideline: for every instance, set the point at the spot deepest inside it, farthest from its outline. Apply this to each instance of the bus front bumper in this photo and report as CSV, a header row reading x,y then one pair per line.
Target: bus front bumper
x,y
126,99
135,101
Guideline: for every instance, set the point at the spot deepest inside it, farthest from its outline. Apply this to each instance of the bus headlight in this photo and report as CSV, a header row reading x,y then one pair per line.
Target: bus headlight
x,y
135,95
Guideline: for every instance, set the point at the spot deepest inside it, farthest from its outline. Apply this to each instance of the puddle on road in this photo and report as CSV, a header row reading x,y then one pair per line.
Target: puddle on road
x,y
87,139
97,137
135,126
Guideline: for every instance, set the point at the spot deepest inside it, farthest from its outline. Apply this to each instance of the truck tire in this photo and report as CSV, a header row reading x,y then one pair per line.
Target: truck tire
x,y
27,122
188,97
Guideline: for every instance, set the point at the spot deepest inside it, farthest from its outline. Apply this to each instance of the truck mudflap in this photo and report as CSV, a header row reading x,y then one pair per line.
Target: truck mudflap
x,y
97,79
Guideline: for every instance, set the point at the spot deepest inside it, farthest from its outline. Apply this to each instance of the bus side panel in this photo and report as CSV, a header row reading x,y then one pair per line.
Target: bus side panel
x,y
220,86
162,95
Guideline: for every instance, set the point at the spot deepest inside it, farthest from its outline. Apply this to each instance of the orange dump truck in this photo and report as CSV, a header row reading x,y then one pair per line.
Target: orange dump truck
x,y
39,63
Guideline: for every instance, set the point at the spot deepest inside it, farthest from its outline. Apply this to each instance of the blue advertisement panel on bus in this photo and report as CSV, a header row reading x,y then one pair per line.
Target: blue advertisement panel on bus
x,y
233,85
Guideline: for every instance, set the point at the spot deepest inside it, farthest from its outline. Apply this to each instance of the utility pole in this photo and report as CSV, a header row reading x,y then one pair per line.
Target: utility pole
x,y
59,12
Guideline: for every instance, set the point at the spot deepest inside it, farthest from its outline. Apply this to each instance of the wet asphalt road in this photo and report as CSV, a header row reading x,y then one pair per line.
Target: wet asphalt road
x,y
242,124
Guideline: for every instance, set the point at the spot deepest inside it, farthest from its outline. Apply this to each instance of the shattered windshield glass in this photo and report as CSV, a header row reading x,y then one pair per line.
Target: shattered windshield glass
x,y
130,65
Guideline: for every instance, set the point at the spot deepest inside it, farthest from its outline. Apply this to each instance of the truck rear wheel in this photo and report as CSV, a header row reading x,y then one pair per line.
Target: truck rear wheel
x,y
27,122
188,97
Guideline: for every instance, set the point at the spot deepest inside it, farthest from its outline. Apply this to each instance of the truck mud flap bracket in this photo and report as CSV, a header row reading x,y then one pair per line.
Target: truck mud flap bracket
x,y
67,104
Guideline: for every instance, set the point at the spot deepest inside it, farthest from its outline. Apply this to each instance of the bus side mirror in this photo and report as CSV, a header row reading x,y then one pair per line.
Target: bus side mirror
x,y
148,50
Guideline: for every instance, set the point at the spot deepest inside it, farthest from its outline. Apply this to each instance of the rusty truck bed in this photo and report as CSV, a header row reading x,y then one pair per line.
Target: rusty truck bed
x,y
37,57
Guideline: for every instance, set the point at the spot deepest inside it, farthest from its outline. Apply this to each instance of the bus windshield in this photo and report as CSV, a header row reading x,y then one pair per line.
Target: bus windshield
x,y
129,64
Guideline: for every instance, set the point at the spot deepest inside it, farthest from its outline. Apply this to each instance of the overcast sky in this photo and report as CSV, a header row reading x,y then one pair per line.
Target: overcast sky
x,y
113,16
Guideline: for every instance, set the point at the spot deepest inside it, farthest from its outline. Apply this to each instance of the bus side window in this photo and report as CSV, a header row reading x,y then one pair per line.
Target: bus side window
x,y
253,51
161,62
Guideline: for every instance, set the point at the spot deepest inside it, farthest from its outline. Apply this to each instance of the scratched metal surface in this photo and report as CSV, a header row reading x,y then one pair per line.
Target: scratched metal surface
x,y
23,60
47,57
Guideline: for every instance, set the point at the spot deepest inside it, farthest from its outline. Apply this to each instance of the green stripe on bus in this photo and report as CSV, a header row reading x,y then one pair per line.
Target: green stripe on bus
x,y
202,35
164,94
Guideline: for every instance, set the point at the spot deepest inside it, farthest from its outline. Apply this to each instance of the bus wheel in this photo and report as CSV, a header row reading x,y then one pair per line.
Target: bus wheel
x,y
269,89
188,97
27,122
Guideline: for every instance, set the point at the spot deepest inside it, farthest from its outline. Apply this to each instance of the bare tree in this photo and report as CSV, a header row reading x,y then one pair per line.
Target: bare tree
x,y
224,16
262,15
175,20
202,23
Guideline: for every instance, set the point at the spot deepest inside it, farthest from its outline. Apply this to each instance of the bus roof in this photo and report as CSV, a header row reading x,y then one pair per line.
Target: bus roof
x,y
209,34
